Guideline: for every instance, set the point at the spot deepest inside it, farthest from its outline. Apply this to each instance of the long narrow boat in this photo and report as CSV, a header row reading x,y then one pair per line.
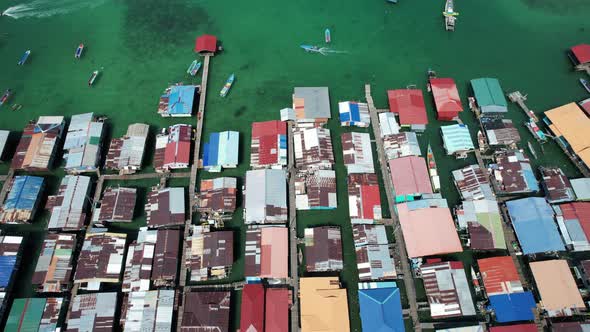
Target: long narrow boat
x,y
5,96
227,85
24,58
450,15
93,77
432,169
585,84
532,149
193,68
79,51
328,36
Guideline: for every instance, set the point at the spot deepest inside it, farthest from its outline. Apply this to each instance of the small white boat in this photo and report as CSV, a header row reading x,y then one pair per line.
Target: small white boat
x,y
93,77
193,68
227,86
79,51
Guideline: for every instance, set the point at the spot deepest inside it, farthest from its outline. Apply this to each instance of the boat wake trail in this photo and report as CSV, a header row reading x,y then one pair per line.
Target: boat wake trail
x,y
47,8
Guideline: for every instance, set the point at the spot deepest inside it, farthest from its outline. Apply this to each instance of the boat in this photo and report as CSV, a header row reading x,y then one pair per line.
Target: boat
x,y
327,35
532,150
5,96
16,107
450,15
93,77
193,68
227,86
24,58
481,141
391,1
432,169
539,135
79,51
310,48
585,84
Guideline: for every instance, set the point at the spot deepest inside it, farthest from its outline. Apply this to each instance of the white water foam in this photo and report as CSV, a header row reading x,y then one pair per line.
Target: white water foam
x,y
46,8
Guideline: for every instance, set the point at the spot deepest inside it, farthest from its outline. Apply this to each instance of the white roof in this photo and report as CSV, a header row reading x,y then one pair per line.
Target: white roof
x,y
265,188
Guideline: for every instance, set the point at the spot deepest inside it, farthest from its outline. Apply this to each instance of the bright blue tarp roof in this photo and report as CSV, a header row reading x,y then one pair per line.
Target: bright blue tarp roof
x,y
24,193
534,224
6,268
381,310
513,307
181,99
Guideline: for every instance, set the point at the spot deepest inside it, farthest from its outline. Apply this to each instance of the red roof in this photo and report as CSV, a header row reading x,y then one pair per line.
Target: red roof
x,y
497,274
579,211
409,176
581,52
446,98
267,128
252,313
515,328
177,153
409,104
277,310
370,198
206,43
268,142
585,105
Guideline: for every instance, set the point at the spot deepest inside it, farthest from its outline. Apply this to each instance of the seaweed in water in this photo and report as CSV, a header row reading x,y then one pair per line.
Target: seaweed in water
x,y
153,26
241,110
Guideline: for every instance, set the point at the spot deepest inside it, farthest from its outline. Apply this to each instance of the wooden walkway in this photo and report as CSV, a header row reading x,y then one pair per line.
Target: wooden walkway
x,y
399,237
143,176
293,261
238,285
518,98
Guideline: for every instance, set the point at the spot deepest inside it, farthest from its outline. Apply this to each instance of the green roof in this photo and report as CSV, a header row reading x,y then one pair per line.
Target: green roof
x,y
456,138
489,95
25,315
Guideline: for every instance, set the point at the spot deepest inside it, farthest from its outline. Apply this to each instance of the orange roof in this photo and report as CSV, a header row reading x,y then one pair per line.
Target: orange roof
x,y
556,286
499,275
571,122
324,305
428,231
274,252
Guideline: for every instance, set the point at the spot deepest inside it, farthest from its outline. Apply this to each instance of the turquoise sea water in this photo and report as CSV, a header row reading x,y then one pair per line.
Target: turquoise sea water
x,y
142,45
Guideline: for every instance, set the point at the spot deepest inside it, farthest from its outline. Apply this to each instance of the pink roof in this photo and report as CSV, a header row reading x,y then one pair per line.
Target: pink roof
x,y
409,104
370,198
515,328
579,211
428,231
206,43
499,274
274,247
410,176
582,52
252,313
277,310
446,97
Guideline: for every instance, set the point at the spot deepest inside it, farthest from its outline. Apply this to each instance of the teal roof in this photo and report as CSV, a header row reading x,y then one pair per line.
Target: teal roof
x,y
489,95
25,314
456,138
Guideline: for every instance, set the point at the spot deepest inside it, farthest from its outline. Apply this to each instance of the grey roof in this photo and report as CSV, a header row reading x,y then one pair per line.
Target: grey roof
x,y
266,196
82,144
149,311
317,102
581,188
3,138
68,207
374,261
92,312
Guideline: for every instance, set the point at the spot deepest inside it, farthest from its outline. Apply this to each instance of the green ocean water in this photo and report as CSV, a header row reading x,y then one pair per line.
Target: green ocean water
x,y
143,45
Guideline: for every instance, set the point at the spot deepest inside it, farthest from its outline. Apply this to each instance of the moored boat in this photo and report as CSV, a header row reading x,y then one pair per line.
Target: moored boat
x,y
193,68
585,84
450,15
432,169
227,86
79,50
24,58
532,150
17,107
5,96
327,36
391,1
93,77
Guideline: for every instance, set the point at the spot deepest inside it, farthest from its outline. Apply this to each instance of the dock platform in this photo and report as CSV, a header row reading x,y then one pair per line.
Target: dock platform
x,y
518,98
293,261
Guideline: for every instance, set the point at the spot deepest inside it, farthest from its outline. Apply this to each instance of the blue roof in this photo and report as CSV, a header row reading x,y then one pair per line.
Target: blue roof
x,y
24,193
381,309
222,149
513,307
536,230
181,99
210,155
7,264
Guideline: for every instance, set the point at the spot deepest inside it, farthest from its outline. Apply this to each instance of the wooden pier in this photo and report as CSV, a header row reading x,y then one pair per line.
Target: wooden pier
x,y
400,244
293,261
518,98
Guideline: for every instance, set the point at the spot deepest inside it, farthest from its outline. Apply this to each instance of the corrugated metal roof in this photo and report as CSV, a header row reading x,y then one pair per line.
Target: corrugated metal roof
x,y
472,183
499,131
581,188
3,138
374,260
409,176
82,144
217,197
206,311
428,231
514,173
69,207
92,312
311,104
388,124
513,307
532,219
312,148
515,328
456,138
54,266
574,223
499,275
266,252
252,308
358,153
489,95
446,98
401,145
277,310
101,259
117,204
38,144
364,199
221,151
266,197
22,200
409,104
209,254
564,327
323,249
324,305
581,52
381,309
138,266
316,190
149,311
126,153
34,314
353,113
165,207
557,288
166,257
484,224
269,144
447,290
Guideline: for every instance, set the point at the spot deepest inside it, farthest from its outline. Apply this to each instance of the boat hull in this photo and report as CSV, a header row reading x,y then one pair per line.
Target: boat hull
x,y
585,84
79,50
228,84
92,78
24,58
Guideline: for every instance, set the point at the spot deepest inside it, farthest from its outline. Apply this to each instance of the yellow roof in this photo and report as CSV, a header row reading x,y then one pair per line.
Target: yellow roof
x,y
572,123
324,305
